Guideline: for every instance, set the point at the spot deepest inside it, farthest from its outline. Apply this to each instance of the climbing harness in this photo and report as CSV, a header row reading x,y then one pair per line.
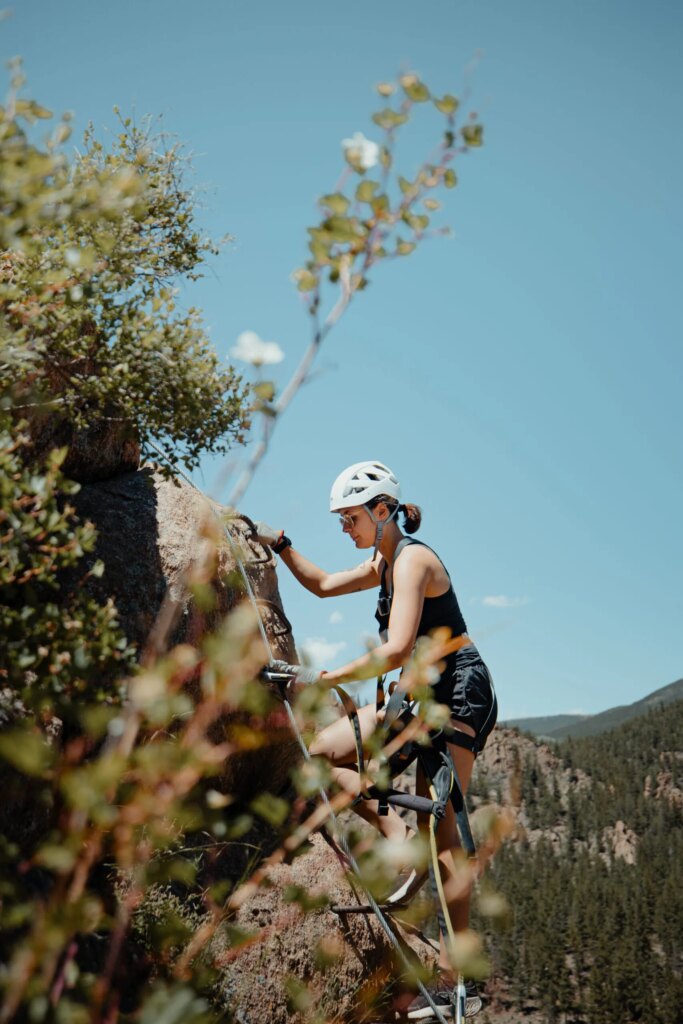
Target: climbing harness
x,y
283,673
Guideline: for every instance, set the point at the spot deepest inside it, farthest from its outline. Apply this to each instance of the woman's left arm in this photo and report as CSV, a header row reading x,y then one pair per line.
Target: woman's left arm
x,y
411,575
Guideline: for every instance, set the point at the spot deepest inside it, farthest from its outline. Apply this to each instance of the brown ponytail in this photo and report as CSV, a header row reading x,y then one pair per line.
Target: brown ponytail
x,y
412,517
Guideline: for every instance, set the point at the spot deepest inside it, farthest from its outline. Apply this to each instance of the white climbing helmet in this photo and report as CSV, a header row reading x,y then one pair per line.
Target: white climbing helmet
x,y
360,483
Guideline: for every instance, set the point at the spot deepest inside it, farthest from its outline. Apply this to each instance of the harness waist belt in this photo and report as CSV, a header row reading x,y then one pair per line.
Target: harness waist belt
x,y
458,642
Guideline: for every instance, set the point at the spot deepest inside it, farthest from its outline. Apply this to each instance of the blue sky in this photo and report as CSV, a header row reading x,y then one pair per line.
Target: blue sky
x,y
523,378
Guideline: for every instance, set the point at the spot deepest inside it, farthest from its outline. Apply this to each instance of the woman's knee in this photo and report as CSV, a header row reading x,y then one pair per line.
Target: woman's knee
x,y
322,747
336,743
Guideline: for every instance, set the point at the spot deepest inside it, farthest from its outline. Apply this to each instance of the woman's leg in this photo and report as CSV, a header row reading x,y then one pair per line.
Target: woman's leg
x,y
337,744
456,889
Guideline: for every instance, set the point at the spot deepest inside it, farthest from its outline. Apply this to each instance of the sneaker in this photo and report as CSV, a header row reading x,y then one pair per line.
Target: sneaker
x,y
444,998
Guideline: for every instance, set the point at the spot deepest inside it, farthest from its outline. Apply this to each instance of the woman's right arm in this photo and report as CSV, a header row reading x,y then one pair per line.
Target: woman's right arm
x,y
330,584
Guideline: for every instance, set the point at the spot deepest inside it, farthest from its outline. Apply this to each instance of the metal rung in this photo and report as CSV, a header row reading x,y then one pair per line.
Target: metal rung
x,y
399,798
386,908
248,540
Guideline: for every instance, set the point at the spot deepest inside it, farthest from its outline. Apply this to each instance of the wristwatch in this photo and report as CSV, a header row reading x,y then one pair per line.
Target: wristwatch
x,y
281,543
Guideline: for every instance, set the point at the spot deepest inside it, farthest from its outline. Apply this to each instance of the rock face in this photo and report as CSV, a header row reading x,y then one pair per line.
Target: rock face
x,y
498,778
621,841
258,978
151,531
98,452
150,536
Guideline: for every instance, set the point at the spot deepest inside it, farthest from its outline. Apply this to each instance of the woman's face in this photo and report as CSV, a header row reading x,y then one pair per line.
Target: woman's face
x,y
359,526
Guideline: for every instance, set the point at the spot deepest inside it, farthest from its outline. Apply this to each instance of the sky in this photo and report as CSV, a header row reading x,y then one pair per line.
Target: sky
x,y
522,378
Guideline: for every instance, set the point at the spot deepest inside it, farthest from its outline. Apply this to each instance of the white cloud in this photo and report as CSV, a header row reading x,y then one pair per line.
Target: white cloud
x,y
320,652
252,349
336,618
503,601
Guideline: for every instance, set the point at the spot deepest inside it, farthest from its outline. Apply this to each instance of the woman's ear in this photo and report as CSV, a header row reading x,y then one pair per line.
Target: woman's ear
x,y
381,511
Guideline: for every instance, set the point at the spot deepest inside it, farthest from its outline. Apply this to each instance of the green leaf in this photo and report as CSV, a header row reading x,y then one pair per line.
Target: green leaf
x,y
327,952
320,245
405,185
380,205
55,858
345,229
447,104
431,204
299,894
299,998
175,1004
32,110
448,139
265,390
271,808
418,222
366,190
473,134
414,89
404,248
389,118
336,203
450,178
235,935
26,751
305,279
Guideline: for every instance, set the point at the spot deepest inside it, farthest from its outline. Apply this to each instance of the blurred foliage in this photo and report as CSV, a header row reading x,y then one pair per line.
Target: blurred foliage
x,y
123,857
364,221
54,647
373,215
89,327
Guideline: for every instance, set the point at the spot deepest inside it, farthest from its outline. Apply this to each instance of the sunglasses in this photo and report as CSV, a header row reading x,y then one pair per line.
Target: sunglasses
x,y
348,521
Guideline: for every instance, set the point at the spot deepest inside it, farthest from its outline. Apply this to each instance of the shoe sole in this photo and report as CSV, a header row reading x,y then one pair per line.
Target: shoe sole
x,y
410,888
397,901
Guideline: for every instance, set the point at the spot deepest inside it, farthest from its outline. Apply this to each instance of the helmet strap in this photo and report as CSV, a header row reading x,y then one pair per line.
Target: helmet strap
x,y
379,526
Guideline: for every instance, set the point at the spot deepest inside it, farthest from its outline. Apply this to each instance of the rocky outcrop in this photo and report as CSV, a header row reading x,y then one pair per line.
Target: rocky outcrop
x,y
104,449
151,533
498,777
346,963
620,842
499,766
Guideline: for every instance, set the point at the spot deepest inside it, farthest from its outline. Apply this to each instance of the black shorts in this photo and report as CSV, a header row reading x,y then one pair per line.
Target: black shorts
x,y
466,687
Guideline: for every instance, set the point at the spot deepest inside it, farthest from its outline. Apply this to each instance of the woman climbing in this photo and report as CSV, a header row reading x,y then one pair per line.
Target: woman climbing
x,y
416,597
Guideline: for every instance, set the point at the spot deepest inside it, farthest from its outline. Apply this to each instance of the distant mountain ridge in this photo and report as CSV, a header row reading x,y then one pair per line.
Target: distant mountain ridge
x,y
558,727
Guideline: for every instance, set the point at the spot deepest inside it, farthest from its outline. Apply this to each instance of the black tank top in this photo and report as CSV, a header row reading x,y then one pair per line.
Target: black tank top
x,y
443,610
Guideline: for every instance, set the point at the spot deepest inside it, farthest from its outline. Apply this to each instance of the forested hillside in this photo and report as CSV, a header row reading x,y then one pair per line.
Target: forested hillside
x,y
595,878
